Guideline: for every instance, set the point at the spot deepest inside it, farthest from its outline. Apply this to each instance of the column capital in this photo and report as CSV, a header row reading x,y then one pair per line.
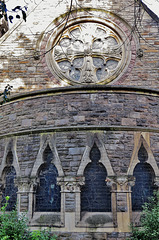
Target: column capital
x,y
70,184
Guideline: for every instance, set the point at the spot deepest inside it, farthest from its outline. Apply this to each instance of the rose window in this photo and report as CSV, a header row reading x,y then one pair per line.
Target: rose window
x,y
87,52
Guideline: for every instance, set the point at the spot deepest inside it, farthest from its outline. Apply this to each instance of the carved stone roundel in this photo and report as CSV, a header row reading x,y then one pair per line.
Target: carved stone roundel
x,y
87,52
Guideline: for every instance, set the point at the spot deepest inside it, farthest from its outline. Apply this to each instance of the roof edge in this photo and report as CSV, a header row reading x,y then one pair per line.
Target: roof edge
x,y
149,11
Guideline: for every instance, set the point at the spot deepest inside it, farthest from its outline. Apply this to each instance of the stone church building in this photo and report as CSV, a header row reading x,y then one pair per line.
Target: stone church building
x,y
79,138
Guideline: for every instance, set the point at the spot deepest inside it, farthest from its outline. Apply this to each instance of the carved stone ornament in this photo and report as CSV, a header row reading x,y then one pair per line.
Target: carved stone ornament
x,y
87,52
156,181
123,181
25,184
70,184
110,182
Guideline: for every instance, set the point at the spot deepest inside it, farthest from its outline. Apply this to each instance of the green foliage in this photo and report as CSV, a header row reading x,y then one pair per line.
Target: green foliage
x,y
149,221
42,235
14,227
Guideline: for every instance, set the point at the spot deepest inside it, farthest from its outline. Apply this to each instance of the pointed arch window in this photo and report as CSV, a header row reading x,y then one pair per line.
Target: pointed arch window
x,y
144,183
48,197
9,189
95,195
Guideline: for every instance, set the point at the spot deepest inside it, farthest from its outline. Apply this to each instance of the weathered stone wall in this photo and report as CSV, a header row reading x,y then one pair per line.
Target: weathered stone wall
x,y
112,107
94,236
118,118
115,119
19,44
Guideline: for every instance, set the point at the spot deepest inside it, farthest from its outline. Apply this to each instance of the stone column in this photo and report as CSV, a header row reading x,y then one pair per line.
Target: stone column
x,y
32,194
124,184
60,182
70,195
156,182
111,183
23,203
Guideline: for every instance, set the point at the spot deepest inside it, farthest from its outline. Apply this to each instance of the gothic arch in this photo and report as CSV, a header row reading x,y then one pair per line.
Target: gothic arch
x,y
95,194
104,168
10,146
144,170
95,139
9,171
40,168
47,140
139,139
48,196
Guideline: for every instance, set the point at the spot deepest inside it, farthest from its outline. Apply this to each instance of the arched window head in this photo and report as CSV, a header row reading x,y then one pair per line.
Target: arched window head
x,y
48,197
95,195
144,183
9,188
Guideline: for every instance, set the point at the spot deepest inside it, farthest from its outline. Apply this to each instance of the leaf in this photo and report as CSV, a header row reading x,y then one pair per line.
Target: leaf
x,y
17,16
24,15
11,18
16,8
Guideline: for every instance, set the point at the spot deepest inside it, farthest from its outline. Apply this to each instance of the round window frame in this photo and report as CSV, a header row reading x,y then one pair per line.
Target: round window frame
x,y
121,29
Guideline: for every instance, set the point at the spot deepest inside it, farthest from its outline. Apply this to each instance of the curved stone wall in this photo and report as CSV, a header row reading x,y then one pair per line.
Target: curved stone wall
x,y
70,120
68,108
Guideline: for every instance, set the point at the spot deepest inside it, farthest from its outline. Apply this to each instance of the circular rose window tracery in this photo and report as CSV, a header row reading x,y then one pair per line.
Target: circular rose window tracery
x,y
88,52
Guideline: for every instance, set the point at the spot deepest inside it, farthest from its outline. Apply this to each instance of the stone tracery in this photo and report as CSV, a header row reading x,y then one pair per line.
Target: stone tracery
x,y
88,53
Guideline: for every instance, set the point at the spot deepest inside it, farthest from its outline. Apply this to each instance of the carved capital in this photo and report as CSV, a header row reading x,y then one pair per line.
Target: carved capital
x,y
111,182
25,184
70,184
131,181
34,181
156,181
122,183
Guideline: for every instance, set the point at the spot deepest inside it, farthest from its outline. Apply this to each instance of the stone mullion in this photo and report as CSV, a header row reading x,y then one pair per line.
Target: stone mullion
x,y
110,182
78,207
32,196
24,185
80,182
60,182
70,185
156,182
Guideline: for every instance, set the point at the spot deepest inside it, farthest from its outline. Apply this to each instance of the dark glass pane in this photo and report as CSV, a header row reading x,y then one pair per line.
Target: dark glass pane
x,y
95,154
10,190
48,155
48,197
142,154
144,187
95,195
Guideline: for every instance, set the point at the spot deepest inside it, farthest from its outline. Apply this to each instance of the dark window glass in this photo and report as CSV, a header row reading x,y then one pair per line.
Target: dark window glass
x,y
10,190
144,184
95,195
48,197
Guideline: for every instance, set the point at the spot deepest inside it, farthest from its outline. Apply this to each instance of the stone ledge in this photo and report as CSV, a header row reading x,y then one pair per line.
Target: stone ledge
x,y
80,128
85,88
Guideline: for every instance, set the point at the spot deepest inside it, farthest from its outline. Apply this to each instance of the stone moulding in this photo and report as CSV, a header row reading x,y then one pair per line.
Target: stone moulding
x,y
112,112
76,57
78,89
